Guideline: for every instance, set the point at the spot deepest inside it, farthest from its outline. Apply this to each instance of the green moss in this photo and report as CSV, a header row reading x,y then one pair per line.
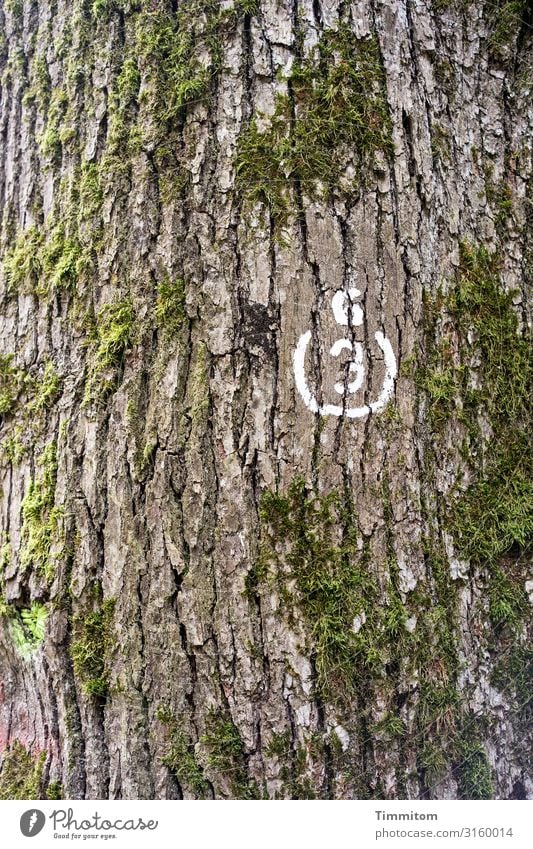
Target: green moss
x,y
506,18
224,744
13,447
61,259
50,141
226,755
21,776
514,673
128,81
5,560
310,552
433,762
46,390
337,109
101,8
92,641
440,143
439,703
12,382
39,264
495,513
476,377
330,590
445,76
22,264
90,193
123,135
508,602
27,626
112,338
168,45
391,727
173,179
57,256
472,769
55,791
358,625
440,718
41,518
169,311
442,5
296,785
296,761
39,91
279,745
248,7
15,8
180,757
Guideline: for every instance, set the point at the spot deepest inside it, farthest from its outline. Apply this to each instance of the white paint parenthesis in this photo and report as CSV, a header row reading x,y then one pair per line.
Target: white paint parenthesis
x,y
299,372
390,372
335,409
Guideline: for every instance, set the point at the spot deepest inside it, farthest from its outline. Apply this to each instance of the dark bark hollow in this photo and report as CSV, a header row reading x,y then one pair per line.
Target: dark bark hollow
x,y
265,495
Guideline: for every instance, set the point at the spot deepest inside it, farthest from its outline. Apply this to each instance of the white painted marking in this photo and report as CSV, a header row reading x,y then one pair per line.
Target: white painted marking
x,y
339,305
356,365
356,368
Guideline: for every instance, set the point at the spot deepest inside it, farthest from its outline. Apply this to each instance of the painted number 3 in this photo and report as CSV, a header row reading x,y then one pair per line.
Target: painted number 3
x,y
341,303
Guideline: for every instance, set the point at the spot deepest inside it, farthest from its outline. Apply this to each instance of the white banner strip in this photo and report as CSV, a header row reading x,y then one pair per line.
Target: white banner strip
x,y
268,824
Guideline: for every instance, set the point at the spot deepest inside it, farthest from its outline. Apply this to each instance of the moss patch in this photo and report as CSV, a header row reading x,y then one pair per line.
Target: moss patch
x,y
13,380
61,262
472,768
52,137
226,756
506,18
111,338
169,46
310,551
477,380
515,674
294,761
336,111
22,263
364,633
478,330
21,776
45,390
26,627
53,259
41,518
180,757
92,642
169,311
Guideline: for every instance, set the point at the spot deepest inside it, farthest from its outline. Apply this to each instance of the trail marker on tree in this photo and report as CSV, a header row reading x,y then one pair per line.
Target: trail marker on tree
x,y
341,303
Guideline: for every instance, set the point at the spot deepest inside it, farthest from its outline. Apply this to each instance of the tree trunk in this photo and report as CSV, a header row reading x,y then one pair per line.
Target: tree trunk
x,y
265,499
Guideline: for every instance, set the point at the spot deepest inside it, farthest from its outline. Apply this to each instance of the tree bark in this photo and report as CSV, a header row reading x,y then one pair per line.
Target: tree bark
x,y
221,575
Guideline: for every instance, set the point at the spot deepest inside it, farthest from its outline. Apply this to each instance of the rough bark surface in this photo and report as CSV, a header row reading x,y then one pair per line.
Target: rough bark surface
x,y
208,589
